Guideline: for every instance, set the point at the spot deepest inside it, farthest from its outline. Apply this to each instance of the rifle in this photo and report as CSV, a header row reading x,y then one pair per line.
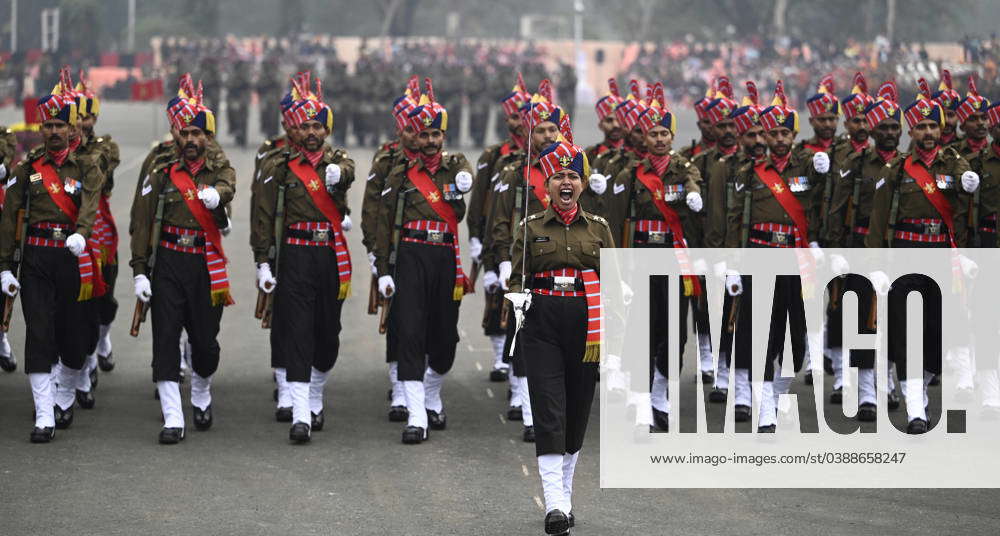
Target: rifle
x,y
279,231
397,232
21,234
141,307
373,301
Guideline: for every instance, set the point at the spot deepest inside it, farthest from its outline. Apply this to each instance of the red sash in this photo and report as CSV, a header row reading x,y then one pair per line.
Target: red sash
x,y
215,257
91,280
536,180
784,196
310,179
432,195
653,183
929,187
104,233
505,148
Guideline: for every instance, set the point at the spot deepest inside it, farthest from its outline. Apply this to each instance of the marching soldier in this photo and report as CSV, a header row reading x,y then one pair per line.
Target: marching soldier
x,y
654,204
707,140
516,198
491,163
948,98
50,208
607,122
390,155
557,259
777,204
8,148
238,89
314,265
824,110
921,206
420,266
971,112
609,163
182,207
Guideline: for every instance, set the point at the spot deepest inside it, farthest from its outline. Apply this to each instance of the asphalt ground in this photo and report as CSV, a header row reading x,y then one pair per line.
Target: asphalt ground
x,y
108,475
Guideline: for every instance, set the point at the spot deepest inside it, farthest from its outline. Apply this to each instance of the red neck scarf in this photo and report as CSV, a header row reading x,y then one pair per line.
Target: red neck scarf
x,y
431,163
313,156
825,144
977,146
75,144
660,163
568,216
59,156
519,141
947,138
730,151
887,155
194,166
927,157
410,155
612,144
708,144
859,146
780,163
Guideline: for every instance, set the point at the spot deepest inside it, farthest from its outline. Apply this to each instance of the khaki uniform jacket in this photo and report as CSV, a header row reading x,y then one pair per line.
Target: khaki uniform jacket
x,y
987,164
24,181
860,172
488,168
215,173
299,206
386,158
417,208
718,192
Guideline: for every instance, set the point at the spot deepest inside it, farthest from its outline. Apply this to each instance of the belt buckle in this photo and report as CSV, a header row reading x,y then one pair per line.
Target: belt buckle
x,y
186,240
933,228
562,283
435,236
58,234
321,235
780,237
657,237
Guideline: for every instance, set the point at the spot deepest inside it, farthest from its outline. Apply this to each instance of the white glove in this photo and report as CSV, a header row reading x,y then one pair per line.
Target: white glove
x,y
9,283
734,283
491,281
332,175
881,282
76,243
3,171
346,224
839,265
627,293
598,183
475,248
719,269
970,181
386,287
265,281
505,271
969,267
463,181
694,201
209,197
371,263
817,252
143,290
821,162
700,266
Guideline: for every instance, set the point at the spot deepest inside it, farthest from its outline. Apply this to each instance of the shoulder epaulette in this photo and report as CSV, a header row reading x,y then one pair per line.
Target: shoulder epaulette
x,y
595,217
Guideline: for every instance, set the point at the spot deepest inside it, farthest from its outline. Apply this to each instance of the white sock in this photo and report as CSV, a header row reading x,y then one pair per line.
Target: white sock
x,y
398,397
56,372
722,377
104,342
185,350
768,408
284,396
66,391
569,469
913,393
550,468
83,377
317,383
658,392
705,352
837,358
41,393
989,383
744,396
300,402
414,391
643,409
781,386
866,386
497,341
891,379
515,390
965,368
432,390
526,417
4,344
170,404
201,391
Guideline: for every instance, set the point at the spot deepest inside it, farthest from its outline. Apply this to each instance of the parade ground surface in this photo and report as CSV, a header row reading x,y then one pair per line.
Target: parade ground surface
x,y
107,474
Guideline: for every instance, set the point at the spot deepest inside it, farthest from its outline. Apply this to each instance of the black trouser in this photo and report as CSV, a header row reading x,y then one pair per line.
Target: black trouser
x,y
182,299
517,360
56,324
492,313
787,310
659,322
561,385
305,330
742,332
865,323
424,314
107,305
931,321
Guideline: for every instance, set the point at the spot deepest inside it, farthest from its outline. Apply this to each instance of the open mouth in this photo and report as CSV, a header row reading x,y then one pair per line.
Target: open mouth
x,y
566,194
